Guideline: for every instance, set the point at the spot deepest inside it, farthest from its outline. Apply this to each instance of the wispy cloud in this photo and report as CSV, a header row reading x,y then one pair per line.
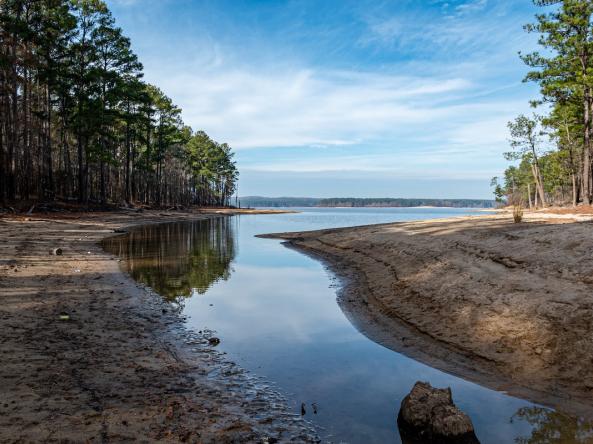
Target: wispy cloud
x,y
471,7
403,88
462,31
254,109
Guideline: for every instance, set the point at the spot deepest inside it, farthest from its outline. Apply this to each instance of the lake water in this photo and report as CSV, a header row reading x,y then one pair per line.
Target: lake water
x,y
276,314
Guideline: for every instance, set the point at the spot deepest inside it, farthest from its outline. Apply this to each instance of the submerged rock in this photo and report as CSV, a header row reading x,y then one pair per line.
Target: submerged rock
x,y
428,415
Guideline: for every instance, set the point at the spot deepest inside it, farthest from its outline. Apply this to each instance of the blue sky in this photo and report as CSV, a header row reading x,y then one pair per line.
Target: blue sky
x,y
401,98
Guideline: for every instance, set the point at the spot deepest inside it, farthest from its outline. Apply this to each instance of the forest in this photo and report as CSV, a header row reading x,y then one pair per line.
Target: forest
x,y
78,123
552,147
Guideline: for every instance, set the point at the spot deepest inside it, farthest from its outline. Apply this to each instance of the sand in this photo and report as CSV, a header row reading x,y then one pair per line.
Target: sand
x,y
509,306
89,355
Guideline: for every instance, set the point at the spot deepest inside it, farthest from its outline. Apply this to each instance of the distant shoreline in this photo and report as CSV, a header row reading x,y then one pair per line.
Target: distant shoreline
x,y
354,202
428,207
393,206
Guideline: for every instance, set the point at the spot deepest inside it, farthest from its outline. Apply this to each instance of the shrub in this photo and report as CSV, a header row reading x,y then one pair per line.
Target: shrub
x,y
517,213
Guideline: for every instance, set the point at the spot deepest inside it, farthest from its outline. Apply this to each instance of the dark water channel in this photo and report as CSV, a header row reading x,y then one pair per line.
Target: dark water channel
x,y
275,311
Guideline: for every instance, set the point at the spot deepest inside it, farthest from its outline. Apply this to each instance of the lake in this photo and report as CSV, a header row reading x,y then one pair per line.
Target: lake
x,y
276,314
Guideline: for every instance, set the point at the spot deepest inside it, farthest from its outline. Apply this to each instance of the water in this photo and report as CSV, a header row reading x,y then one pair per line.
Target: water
x,y
275,311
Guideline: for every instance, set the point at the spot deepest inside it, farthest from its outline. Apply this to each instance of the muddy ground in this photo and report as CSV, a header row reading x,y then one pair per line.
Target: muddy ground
x,y
88,355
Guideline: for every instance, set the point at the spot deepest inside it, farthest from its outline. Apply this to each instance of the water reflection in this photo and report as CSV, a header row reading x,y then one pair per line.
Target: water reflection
x,y
551,427
178,259
277,316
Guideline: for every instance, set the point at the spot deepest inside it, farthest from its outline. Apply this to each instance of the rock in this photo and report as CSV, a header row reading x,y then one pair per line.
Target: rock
x,y
428,415
214,341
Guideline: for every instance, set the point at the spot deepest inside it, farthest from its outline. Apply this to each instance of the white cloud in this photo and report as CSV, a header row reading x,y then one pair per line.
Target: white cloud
x,y
250,108
471,7
437,125
387,88
466,32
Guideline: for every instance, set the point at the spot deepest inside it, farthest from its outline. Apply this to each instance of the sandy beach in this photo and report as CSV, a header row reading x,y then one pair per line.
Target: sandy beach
x,y
506,305
89,355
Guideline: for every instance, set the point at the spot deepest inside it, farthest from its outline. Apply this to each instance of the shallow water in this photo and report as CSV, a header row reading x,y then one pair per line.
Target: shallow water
x,y
276,313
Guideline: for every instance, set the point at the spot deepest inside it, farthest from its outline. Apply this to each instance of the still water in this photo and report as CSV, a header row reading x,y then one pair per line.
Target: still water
x,y
276,313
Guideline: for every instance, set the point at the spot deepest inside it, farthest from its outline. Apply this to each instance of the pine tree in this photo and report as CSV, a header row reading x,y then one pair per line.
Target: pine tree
x,y
77,122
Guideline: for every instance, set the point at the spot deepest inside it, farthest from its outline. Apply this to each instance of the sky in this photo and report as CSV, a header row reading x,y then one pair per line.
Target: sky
x,y
362,98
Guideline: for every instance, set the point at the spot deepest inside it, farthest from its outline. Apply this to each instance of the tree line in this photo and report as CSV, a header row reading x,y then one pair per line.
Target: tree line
x,y
552,148
404,202
258,201
77,122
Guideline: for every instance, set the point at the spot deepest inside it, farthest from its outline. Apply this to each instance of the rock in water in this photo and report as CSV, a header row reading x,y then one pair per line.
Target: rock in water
x,y
428,415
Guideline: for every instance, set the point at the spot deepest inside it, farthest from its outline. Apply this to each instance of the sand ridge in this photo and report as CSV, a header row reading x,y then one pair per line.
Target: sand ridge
x,y
506,305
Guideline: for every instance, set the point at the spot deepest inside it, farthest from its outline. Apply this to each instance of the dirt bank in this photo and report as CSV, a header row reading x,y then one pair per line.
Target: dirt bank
x,y
88,355
507,305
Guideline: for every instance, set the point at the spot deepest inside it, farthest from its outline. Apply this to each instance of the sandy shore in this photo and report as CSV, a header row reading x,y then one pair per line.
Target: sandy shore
x,y
121,367
507,305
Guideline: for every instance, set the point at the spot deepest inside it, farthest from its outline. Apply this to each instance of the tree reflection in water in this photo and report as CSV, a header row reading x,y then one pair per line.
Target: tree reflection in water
x,y
550,427
178,259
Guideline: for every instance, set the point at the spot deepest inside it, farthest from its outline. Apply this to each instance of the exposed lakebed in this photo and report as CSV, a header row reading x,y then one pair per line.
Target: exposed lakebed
x,y
276,314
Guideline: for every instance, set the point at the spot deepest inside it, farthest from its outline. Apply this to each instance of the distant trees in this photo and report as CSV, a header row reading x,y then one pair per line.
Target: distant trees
x,y
403,203
212,165
564,73
77,121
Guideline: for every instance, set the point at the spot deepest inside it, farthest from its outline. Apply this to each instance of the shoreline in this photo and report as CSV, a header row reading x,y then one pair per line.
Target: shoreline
x,y
394,293
90,353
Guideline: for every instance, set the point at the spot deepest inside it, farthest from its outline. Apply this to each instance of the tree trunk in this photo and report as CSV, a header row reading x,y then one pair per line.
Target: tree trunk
x,y
48,189
81,194
539,189
14,130
2,172
586,184
574,190
102,181
127,167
